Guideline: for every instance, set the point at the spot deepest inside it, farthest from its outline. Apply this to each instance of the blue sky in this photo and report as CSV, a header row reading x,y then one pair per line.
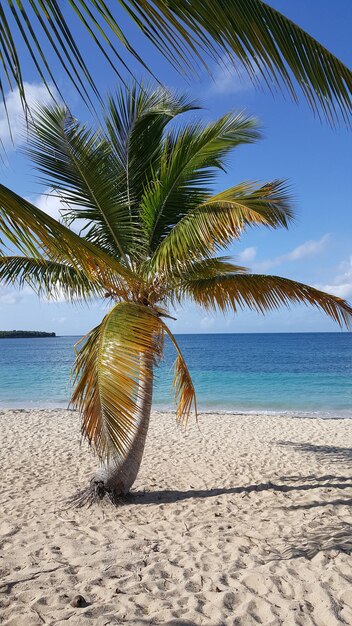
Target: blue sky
x,y
315,159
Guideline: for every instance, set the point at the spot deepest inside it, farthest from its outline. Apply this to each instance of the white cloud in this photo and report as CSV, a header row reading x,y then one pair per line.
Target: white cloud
x,y
227,80
342,284
342,291
306,249
59,320
35,93
247,255
207,322
49,204
8,297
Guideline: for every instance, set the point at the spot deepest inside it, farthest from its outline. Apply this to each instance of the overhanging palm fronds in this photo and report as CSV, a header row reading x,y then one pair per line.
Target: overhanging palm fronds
x,y
249,33
263,293
111,367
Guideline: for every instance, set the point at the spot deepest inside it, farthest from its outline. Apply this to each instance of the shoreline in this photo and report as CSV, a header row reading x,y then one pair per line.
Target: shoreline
x,y
246,519
330,414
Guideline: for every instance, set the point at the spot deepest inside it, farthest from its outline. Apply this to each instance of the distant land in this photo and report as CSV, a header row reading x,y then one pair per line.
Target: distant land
x,y
23,334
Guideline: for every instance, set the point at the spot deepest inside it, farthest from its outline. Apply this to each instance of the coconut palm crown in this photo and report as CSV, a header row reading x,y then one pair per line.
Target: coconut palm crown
x,y
152,237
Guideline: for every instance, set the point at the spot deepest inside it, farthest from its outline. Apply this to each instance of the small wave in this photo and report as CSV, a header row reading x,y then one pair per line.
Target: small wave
x,y
290,413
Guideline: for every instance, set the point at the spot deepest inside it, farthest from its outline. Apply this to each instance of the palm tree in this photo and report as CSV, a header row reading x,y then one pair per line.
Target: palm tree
x,y
151,229
248,34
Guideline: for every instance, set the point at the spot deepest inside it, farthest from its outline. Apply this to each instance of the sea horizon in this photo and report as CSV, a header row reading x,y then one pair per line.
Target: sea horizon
x,y
289,332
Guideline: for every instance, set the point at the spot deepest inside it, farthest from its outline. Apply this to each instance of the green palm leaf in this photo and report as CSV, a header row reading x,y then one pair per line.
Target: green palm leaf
x,y
80,165
250,33
49,278
36,234
214,224
135,123
187,166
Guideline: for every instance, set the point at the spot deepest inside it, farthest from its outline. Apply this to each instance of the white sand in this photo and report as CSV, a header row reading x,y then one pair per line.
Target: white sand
x,y
247,522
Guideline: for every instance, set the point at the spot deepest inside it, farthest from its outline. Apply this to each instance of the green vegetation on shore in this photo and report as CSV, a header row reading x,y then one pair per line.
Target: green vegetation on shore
x,y
16,334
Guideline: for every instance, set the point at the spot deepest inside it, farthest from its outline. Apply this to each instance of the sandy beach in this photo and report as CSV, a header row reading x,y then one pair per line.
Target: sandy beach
x,y
244,521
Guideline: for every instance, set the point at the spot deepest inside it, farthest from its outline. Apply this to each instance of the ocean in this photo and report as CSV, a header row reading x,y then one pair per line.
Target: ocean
x,y
304,374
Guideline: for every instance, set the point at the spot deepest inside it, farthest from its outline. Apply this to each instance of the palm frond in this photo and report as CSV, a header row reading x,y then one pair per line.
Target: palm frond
x,y
136,118
213,225
36,234
266,44
172,282
39,21
48,278
110,370
262,293
250,33
189,162
80,165
269,205
182,384
135,122
207,268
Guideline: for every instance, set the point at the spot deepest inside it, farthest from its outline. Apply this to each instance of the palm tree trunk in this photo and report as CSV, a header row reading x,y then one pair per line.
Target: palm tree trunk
x,y
116,478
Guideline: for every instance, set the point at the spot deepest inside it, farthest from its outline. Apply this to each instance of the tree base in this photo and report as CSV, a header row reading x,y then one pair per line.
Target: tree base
x,y
96,491
116,476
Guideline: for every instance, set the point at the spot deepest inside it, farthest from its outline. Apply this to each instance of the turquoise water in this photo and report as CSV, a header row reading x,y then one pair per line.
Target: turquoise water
x,y
302,373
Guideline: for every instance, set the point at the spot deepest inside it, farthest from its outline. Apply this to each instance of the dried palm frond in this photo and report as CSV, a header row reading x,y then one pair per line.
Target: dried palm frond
x,y
183,386
112,365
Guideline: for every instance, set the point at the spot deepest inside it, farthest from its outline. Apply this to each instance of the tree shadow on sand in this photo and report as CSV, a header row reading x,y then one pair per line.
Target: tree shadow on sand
x,y
312,538
332,454
328,538
164,496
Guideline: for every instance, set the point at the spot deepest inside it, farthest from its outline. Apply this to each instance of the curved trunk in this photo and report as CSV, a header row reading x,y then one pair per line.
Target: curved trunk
x,y
116,478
